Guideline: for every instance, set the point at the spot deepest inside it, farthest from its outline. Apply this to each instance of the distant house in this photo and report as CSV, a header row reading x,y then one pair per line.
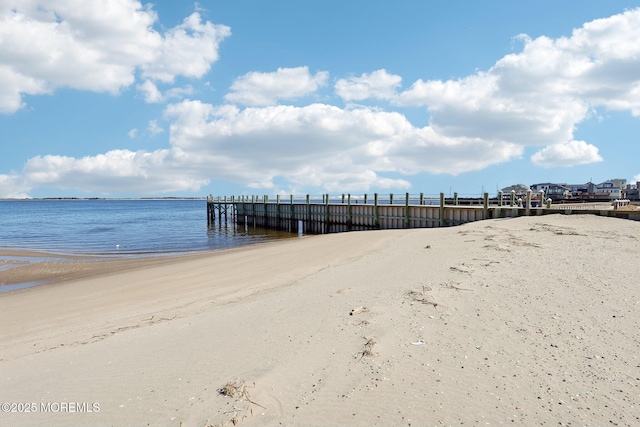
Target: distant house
x,y
611,189
520,189
552,191
631,192
582,191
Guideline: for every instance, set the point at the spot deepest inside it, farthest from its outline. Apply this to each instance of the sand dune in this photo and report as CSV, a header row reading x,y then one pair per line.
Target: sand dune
x,y
521,321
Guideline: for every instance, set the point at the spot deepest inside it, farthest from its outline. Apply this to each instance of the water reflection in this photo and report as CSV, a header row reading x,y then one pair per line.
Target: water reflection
x,y
225,234
22,285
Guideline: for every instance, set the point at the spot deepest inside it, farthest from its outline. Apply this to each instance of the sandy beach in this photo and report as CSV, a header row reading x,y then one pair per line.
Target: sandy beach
x,y
527,321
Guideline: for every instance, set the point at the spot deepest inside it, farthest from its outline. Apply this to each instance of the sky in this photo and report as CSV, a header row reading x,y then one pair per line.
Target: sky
x,y
120,98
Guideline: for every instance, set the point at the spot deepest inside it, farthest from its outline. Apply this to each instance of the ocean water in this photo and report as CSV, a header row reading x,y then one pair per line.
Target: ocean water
x,y
120,227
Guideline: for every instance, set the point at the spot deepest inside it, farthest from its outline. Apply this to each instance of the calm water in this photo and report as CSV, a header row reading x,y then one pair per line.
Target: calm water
x,y
119,227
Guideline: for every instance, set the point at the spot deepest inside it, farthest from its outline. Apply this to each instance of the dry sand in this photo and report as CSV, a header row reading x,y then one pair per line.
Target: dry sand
x,y
520,321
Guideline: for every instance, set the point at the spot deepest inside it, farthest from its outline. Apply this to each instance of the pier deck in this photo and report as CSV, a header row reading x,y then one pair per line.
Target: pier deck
x,y
333,215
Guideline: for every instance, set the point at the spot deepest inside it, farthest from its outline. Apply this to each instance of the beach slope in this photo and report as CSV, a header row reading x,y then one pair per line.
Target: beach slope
x,y
520,321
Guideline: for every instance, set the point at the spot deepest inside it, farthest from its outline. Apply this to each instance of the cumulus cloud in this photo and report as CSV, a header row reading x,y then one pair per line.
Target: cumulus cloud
x,y
259,89
316,146
154,128
152,95
14,186
186,50
321,145
96,46
538,97
138,172
568,154
132,133
150,92
379,84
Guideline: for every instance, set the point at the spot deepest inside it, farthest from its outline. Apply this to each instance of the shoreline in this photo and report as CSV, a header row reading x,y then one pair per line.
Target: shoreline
x,y
19,266
491,322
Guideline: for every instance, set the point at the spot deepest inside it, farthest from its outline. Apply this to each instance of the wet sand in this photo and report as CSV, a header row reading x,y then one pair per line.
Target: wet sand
x,y
24,267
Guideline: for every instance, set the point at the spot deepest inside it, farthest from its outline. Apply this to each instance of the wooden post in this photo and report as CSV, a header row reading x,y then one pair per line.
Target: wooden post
x,y
293,223
376,213
485,211
455,198
342,197
225,209
421,198
365,198
500,195
442,222
308,213
541,199
278,219
391,198
406,210
528,207
265,214
349,217
513,198
219,210
327,216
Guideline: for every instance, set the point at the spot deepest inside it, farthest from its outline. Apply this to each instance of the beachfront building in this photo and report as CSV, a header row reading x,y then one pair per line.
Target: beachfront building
x,y
552,191
582,191
520,189
631,192
611,188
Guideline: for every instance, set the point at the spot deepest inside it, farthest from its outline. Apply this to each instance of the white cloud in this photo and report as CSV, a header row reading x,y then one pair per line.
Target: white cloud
x,y
259,89
119,170
132,133
13,85
379,84
154,128
568,154
538,97
177,93
13,186
151,94
186,50
320,145
96,46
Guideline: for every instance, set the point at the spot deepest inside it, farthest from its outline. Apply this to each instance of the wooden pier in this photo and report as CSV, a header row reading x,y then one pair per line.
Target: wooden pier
x,y
347,213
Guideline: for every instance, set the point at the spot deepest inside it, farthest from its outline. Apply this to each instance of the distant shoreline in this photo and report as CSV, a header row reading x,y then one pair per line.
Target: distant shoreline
x,y
102,198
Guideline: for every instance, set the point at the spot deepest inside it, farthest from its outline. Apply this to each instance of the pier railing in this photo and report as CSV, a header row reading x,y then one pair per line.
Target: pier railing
x,y
331,214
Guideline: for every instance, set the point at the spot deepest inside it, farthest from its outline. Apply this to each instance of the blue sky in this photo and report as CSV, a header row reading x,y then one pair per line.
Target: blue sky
x,y
126,99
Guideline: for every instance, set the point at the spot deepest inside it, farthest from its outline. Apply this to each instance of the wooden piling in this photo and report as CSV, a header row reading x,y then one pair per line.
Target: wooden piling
x,y
349,213
406,210
485,210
